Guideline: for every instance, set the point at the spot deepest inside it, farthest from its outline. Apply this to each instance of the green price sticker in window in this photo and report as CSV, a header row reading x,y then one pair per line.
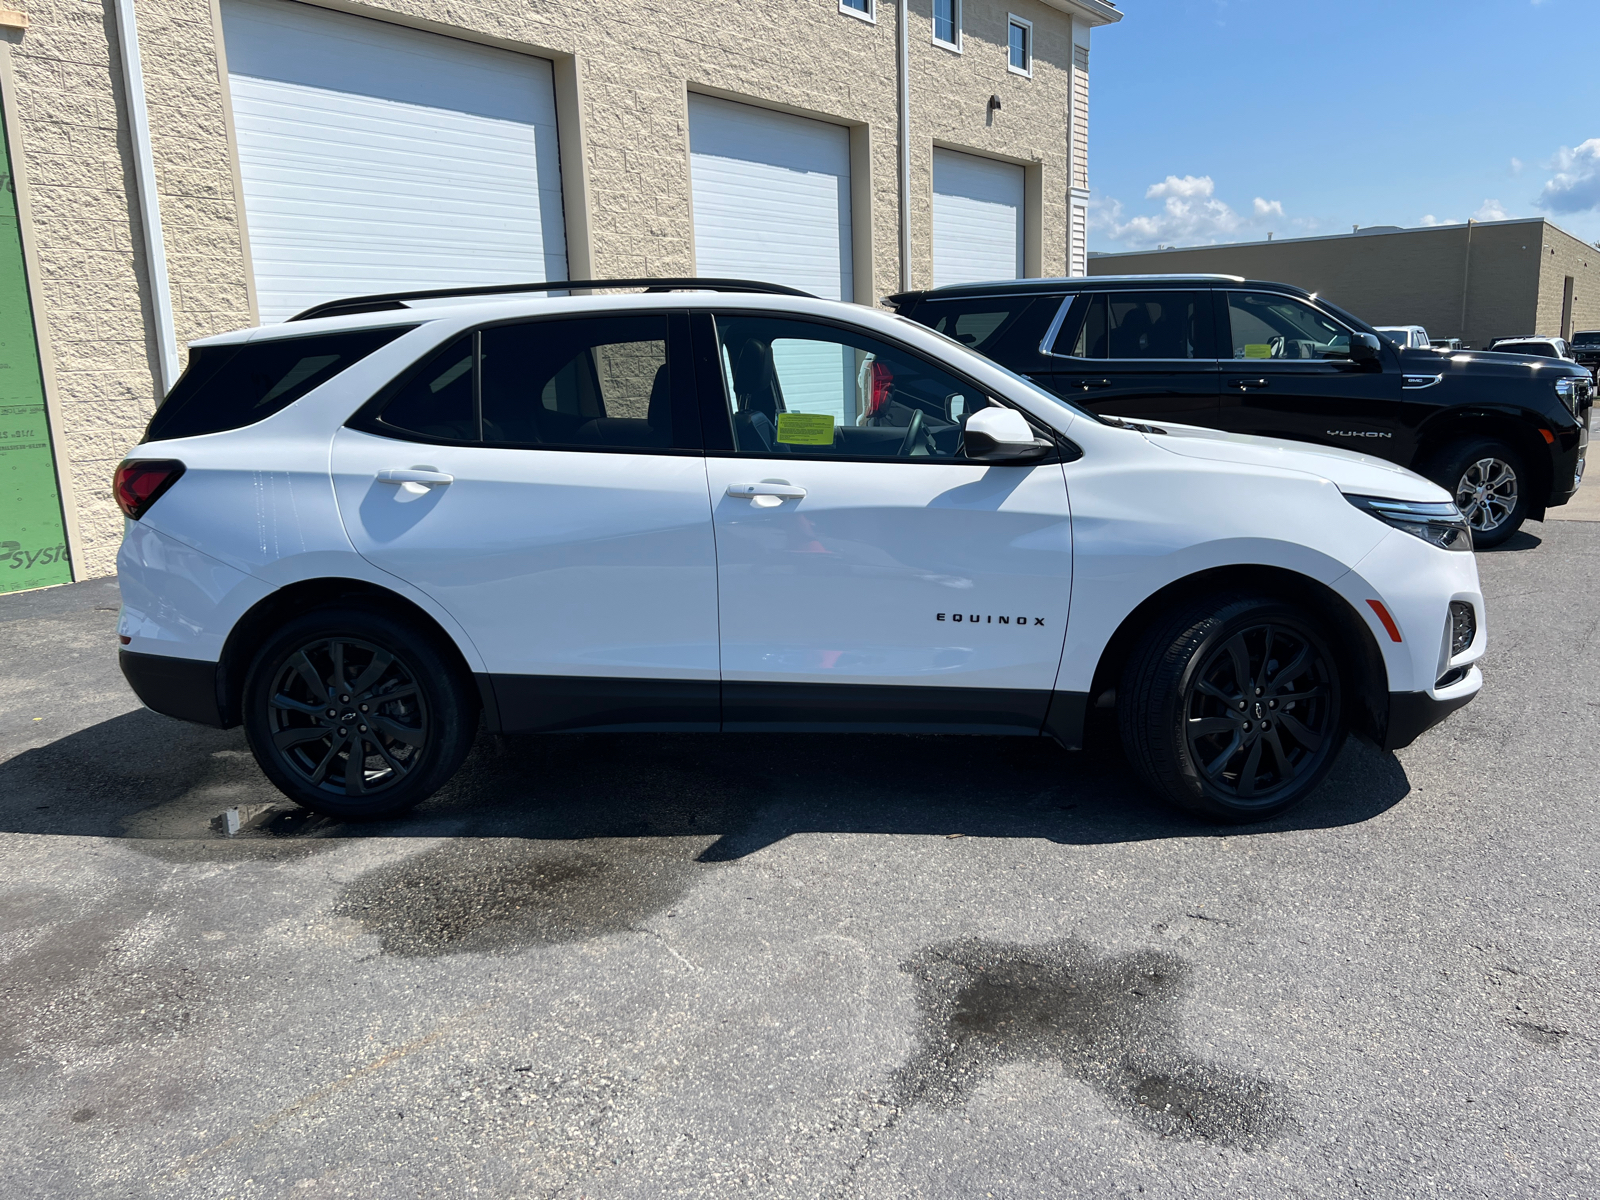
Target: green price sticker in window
x,y
805,429
1258,350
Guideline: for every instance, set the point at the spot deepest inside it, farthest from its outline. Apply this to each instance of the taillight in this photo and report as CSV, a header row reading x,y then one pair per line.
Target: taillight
x,y
882,382
139,483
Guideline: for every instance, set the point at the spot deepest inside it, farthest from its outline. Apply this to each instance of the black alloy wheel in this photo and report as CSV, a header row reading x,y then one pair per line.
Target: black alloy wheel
x,y
356,715
1259,711
1234,708
348,717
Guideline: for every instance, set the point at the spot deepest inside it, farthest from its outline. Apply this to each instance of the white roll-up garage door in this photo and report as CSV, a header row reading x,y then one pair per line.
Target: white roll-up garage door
x,y
977,219
771,197
377,158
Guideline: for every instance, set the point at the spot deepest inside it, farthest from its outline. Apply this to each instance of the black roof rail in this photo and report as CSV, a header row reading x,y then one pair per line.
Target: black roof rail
x,y
390,300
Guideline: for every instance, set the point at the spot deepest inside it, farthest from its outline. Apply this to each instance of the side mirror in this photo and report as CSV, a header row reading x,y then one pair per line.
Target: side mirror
x,y
998,434
1364,348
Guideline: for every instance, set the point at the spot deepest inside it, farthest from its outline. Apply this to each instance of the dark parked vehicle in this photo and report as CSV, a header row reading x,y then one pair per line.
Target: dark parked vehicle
x,y
1586,350
1506,434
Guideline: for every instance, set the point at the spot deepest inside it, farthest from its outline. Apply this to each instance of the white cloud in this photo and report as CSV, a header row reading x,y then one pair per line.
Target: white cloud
x,y
1184,189
1430,220
1491,210
1190,215
1516,166
1575,187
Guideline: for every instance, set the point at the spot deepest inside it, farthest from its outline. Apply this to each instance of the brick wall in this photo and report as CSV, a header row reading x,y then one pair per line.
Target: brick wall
x,y
1565,256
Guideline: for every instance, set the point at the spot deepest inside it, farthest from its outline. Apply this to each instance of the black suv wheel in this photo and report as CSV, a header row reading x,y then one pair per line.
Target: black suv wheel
x,y
1490,486
356,714
1231,707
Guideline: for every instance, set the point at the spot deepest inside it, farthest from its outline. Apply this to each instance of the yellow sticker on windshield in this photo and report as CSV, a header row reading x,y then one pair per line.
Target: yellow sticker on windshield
x,y
805,429
1258,350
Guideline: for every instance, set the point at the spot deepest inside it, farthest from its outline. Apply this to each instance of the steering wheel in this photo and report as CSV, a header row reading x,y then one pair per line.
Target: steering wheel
x,y
913,432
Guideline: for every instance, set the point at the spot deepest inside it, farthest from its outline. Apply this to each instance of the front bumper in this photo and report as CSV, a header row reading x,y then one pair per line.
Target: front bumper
x,y
1411,714
185,688
1568,456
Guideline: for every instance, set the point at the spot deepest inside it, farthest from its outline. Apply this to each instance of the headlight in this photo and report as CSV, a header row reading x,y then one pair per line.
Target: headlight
x,y
1571,391
1441,525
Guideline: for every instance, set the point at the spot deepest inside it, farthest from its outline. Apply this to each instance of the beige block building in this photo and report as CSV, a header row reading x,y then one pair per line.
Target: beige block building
x,y
200,165
1475,282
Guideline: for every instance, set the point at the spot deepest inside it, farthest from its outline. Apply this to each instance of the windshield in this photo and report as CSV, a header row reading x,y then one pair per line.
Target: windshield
x,y
1587,337
1400,337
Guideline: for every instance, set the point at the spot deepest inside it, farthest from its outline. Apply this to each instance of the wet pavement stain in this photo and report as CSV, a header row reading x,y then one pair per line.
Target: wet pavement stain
x,y
1111,1022
1539,1035
499,895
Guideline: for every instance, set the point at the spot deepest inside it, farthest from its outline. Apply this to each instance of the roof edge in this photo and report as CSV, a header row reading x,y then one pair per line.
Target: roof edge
x,y
1331,237
1098,12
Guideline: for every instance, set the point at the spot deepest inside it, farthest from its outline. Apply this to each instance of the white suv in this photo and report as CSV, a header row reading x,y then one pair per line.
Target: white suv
x,y
722,506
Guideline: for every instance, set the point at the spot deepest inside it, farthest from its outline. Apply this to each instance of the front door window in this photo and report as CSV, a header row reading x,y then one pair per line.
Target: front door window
x,y
801,389
1268,326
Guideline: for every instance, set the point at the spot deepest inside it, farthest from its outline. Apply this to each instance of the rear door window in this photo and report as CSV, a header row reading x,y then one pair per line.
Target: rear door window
x,y
584,383
1139,325
229,387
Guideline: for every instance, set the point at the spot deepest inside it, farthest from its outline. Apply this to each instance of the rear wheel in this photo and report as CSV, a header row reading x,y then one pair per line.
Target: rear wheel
x,y
1231,708
1490,486
356,714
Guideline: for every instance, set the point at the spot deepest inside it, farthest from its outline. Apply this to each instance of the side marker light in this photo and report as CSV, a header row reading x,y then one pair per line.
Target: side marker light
x,y
1388,621
1549,438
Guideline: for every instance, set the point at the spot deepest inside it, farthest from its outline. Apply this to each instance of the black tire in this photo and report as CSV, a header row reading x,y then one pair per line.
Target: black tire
x,y
417,725
1200,740
1489,483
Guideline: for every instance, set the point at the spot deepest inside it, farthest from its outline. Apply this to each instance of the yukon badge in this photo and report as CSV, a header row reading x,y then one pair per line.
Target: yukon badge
x,y
986,619
1357,433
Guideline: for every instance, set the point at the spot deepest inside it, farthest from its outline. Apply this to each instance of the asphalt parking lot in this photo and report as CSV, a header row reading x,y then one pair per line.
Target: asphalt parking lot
x,y
606,966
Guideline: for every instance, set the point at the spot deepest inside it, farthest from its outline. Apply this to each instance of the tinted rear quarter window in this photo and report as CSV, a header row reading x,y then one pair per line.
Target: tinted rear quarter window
x,y
230,387
998,327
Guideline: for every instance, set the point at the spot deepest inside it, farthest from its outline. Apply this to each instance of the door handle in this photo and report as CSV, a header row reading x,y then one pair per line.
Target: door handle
x,y
1091,383
395,475
1247,384
749,491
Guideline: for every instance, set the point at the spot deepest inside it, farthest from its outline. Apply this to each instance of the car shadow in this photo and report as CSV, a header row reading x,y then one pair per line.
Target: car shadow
x,y
145,776
1520,540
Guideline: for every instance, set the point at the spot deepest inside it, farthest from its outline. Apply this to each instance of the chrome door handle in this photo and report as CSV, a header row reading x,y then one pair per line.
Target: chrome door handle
x,y
1247,384
748,491
395,475
1091,383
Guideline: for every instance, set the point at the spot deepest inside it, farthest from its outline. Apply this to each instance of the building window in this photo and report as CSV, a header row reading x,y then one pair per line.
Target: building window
x,y
1019,39
860,9
947,24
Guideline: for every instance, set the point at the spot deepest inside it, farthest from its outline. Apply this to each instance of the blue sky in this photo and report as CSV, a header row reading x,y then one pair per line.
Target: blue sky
x,y
1221,120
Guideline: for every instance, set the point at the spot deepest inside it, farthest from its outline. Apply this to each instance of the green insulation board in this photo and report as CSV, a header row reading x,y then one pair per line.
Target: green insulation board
x,y
33,542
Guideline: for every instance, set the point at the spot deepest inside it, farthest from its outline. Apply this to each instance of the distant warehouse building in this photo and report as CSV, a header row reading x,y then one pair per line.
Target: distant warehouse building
x,y
171,169
1475,282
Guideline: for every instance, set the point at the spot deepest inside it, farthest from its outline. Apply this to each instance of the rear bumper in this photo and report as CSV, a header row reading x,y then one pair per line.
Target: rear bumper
x,y
185,688
1411,714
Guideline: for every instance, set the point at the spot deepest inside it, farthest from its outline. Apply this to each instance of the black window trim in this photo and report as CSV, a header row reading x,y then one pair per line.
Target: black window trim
x,y
718,424
1153,363
685,411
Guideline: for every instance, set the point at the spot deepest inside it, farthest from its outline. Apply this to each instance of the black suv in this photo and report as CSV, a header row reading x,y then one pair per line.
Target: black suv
x,y
1506,434
1586,349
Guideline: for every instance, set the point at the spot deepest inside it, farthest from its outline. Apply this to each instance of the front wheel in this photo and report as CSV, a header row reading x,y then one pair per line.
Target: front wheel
x,y
1490,486
1231,708
356,714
